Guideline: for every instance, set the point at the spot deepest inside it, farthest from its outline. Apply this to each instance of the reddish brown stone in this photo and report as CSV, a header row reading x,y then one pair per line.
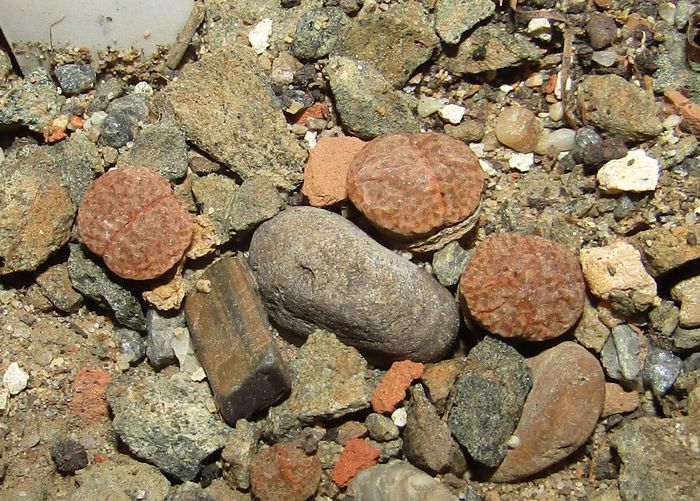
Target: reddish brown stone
x,y
358,455
522,286
134,221
89,388
414,185
618,400
284,472
392,388
319,110
560,411
326,170
233,339
350,430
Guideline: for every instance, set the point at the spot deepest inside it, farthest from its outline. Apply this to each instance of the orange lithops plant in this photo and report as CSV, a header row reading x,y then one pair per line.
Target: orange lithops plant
x,y
135,222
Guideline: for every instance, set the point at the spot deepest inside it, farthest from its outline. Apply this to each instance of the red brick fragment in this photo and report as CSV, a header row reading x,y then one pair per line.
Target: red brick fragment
x,y
284,472
318,110
392,388
89,388
358,455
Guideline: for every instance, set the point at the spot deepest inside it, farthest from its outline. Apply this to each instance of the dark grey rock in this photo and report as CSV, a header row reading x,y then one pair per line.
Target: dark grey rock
x,y
427,440
121,480
189,491
490,395
659,460
69,456
692,363
33,102
75,78
661,368
402,29
92,281
115,130
122,115
106,92
161,327
161,147
491,48
584,137
164,420
130,344
664,318
381,428
620,355
366,103
238,452
226,106
455,17
449,263
343,389
317,33
78,160
36,212
387,450
397,480
605,102
315,269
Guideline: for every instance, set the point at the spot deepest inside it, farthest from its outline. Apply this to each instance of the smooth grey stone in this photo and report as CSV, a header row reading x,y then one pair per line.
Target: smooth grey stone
x,y
397,480
165,421
661,368
454,17
620,355
381,428
75,78
316,270
161,327
490,395
91,280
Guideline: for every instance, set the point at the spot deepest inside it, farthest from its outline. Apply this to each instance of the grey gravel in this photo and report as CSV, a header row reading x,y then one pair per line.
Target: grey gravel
x,y
106,92
317,32
160,147
381,428
75,78
455,17
161,328
33,102
584,137
130,344
449,263
661,368
620,355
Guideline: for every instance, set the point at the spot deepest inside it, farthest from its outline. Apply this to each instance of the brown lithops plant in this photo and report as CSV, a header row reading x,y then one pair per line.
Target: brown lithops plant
x,y
522,286
424,189
135,222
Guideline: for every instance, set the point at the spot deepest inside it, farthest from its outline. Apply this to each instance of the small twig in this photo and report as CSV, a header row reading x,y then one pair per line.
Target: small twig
x,y
177,51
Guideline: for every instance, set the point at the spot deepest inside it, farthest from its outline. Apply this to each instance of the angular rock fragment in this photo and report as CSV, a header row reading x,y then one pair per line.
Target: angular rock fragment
x,y
284,471
315,270
665,249
234,341
56,286
397,480
227,109
32,102
454,17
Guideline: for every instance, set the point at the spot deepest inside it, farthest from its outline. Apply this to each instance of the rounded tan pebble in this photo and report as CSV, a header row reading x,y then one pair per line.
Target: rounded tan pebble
x,y
518,128
135,222
522,286
414,185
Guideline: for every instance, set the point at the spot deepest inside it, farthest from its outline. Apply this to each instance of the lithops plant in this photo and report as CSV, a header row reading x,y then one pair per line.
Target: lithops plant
x,y
133,220
424,190
523,286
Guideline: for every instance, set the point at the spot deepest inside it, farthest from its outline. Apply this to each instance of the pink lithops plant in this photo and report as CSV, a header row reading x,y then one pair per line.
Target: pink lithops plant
x,y
522,286
421,188
135,222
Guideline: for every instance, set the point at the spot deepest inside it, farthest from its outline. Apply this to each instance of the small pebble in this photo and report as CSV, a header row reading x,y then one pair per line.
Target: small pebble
x,y
400,417
75,78
381,428
518,128
15,379
259,36
601,30
452,113
667,12
556,111
69,456
605,58
555,142
661,369
429,105
540,28
521,162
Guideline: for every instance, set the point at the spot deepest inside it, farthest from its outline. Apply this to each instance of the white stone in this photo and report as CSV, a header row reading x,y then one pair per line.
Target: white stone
x,y
487,167
616,267
535,80
556,111
310,138
521,161
184,351
143,88
667,12
636,172
557,89
400,417
555,141
687,293
479,149
452,113
605,58
15,379
199,375
429,105
541,28
671,122
259,36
